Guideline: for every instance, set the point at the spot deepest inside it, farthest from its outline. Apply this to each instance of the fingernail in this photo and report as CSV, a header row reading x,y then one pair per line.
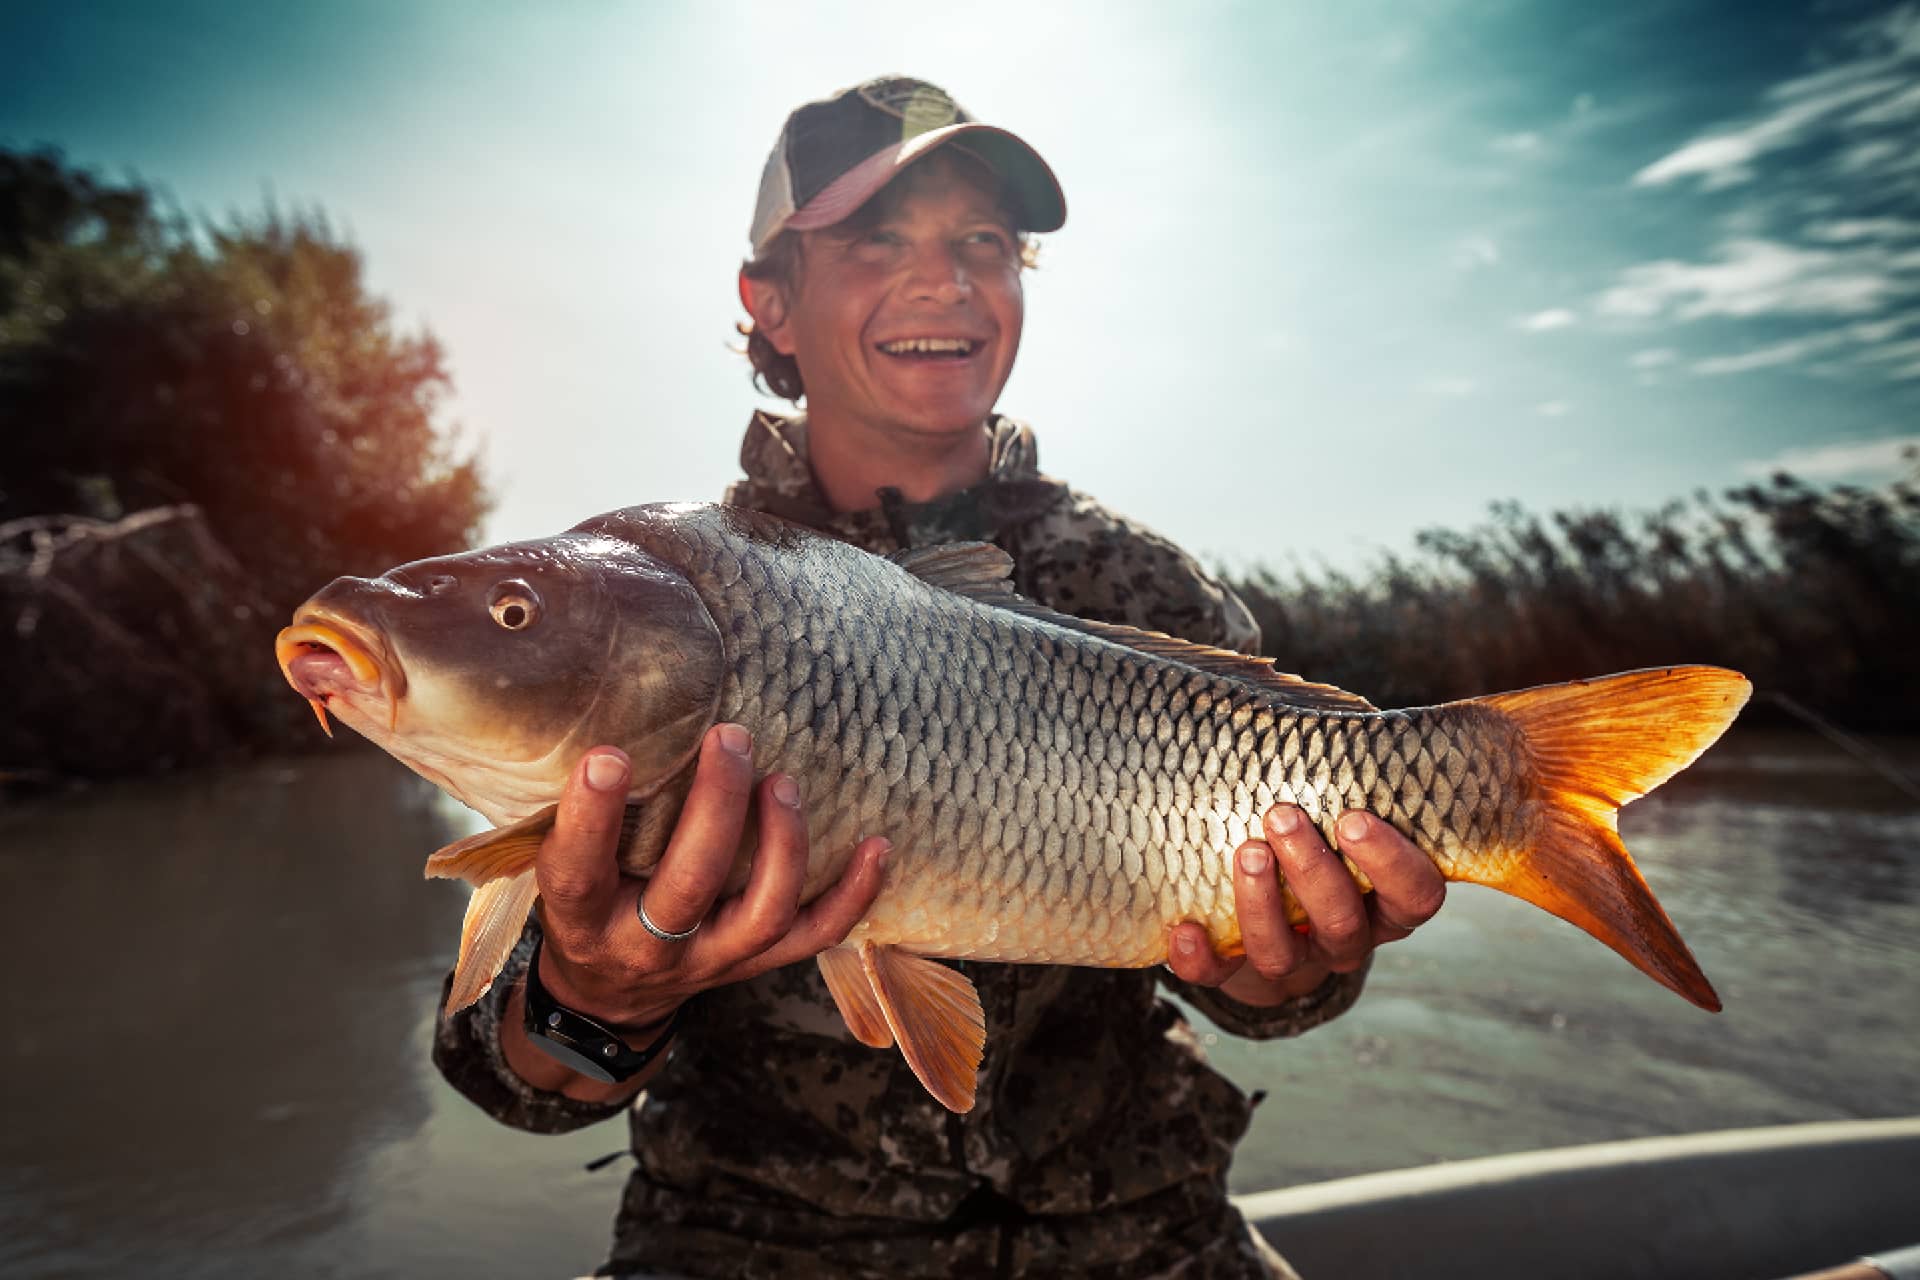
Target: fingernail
x,y
1253,859
1184,944
1285,819
786,791
606,772
885,855
1353,826
735,739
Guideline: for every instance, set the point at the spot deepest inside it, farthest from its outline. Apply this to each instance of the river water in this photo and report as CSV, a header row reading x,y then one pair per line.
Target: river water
x,y
219,991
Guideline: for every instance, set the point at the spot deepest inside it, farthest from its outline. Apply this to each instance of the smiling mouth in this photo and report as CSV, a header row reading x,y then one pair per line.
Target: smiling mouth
x,y
930,348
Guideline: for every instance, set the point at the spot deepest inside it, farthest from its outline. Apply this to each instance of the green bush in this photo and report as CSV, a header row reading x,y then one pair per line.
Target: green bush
x,y
243,370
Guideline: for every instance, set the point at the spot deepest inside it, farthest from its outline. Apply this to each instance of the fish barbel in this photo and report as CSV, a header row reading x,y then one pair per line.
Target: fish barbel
x,y
1056,790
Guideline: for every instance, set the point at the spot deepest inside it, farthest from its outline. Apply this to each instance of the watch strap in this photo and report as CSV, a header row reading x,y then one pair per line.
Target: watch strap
x,y
585,1044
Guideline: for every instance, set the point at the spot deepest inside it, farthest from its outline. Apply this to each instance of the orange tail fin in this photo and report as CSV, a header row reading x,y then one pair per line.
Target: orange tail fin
x,y
1596,745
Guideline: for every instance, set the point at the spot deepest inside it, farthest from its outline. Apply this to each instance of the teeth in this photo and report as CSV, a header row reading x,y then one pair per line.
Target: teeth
x,y
927,346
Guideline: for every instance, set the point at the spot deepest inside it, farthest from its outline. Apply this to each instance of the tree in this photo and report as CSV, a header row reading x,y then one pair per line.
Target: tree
x,y
243,370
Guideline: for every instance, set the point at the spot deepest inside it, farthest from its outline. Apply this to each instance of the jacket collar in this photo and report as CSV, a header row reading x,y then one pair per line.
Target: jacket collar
x,y
780,480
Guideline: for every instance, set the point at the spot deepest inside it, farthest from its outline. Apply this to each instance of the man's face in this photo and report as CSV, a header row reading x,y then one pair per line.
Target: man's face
x,y
913,321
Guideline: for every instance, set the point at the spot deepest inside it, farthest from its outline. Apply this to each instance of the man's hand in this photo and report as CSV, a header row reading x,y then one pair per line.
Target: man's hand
x,y
599,959
1344,926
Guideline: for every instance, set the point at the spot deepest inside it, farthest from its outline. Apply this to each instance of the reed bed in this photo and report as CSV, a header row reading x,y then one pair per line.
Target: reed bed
x,y
1813,592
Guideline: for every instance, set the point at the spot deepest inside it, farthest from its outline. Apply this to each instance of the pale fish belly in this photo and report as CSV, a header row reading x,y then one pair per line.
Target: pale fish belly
x,y
1100,834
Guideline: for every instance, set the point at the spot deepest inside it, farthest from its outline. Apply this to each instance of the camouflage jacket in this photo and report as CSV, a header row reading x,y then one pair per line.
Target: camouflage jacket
x,y
776,1144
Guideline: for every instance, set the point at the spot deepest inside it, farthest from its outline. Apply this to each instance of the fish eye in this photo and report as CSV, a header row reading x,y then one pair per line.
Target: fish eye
x,y
514,605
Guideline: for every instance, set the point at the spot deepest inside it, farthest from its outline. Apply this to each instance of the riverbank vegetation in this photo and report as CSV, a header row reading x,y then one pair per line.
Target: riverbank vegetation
x,y
1814,593
199,424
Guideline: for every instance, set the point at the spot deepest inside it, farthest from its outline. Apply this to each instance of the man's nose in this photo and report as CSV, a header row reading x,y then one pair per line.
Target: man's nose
x,y
939,275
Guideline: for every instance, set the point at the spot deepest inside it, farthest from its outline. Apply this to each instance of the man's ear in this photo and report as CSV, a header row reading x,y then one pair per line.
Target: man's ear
x,y
766,302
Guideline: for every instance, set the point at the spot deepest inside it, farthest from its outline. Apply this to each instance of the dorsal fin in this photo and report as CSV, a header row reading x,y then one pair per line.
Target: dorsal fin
x,y
981,571
977,570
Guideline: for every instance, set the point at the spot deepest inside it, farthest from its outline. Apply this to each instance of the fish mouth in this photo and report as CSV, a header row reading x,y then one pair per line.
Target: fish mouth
x,y
324,658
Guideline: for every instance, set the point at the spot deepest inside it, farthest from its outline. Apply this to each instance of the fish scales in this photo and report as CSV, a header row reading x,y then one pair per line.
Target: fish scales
x,y
1087,797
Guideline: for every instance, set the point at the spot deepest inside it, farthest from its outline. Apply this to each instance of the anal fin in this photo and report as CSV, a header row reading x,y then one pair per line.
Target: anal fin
x,y
496,915
935,1015
853,996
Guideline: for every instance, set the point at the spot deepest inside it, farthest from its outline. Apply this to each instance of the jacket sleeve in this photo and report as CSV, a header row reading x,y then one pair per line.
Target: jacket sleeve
x,y
1303,1013
466,1049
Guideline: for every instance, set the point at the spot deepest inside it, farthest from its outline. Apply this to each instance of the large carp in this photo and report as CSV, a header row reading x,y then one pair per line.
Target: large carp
x,y
1057,791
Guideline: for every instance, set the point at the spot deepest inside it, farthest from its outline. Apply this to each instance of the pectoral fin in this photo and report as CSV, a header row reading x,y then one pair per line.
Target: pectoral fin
x,y
489,855
496,914
853,996
935,1015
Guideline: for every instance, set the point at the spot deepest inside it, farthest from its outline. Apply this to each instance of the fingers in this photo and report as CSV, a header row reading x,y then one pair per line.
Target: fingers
x,y
576,867
1407,888
1191,956
764,911
826,921
1336,914
602,960
1273,949
701,850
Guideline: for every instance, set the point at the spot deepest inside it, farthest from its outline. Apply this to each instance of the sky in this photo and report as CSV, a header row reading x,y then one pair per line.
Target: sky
x,y
1331,273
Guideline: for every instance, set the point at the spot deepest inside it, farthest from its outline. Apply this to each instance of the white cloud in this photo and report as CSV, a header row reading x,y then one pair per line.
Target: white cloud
x,y
1654,358
1724,159
1898,108
1902,355
1756,277
1553,409
1867,340
1543,321
1871,89
1842,460
1450,386
1845,229
1768,357
1867,157
1518,144
1826,246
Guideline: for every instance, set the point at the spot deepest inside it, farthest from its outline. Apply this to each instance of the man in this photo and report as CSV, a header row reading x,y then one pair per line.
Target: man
x,y
885,288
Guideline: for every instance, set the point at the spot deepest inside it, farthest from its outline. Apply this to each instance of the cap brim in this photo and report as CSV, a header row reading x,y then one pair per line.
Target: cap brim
x,y
1035,192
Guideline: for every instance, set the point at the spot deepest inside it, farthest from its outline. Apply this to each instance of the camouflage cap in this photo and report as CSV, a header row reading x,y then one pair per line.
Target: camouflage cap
x,y
834,154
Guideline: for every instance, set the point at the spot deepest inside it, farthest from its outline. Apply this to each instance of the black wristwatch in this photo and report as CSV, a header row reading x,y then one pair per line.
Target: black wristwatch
x,y
587,1045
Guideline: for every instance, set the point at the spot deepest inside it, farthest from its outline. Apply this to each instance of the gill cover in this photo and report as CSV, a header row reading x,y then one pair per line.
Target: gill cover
x,y
654,659
664,668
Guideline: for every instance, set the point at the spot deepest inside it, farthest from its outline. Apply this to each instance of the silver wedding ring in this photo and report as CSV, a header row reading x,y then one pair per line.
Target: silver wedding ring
x,y
665,935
